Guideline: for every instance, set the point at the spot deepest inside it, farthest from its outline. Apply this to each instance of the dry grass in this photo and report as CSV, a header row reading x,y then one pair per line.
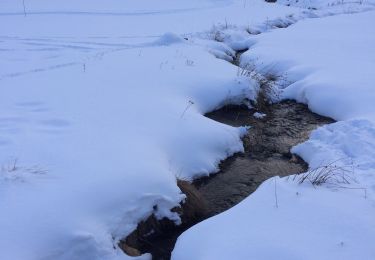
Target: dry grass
x,y
270,82
337,173
194,207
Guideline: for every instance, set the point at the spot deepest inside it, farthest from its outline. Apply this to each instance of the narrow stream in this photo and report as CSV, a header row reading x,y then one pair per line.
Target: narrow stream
x,y
267,144
267,153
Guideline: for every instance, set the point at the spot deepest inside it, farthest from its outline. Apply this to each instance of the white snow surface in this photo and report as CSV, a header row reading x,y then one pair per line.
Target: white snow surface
x,y
259,115
307,224
102,108
330,68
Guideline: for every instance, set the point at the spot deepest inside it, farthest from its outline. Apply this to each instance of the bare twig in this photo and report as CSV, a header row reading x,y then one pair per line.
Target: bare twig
x,y
190,103
24,7
276,199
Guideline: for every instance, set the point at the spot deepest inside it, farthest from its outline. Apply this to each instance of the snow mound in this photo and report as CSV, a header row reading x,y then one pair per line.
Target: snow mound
x,y
168,39
307,224
316,64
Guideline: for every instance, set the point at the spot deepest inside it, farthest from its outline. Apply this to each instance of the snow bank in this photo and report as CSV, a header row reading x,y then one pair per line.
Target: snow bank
x,y
324,4
307,224
330,68
346,143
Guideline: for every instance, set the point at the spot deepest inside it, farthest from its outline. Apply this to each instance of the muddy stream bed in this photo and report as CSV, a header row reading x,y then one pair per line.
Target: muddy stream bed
x,y
267,153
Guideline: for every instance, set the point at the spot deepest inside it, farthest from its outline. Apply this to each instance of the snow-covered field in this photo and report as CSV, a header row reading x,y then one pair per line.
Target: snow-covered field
x,y
102,109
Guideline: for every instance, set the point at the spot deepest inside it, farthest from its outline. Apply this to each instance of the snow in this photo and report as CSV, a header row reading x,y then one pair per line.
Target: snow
x,y
259,115
331,69
324,4
102,109
305,225
346,143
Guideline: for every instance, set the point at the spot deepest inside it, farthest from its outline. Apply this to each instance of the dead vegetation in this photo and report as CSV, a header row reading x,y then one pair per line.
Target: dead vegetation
x,y
194,207
270,82
339,172
13,171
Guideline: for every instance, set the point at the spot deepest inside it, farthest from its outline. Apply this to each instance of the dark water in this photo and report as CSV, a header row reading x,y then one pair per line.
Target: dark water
x,y
267,151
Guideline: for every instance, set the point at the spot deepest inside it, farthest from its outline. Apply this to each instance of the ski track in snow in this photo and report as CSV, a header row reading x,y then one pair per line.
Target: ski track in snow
x,y
55,48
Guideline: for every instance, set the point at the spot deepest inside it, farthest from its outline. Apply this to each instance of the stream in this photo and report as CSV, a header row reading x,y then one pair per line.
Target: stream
x,y
267,151
267,147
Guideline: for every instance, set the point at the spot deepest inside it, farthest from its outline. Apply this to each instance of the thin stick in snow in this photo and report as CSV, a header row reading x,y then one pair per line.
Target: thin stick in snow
x,y
24,7
276,199
187,107
238,115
